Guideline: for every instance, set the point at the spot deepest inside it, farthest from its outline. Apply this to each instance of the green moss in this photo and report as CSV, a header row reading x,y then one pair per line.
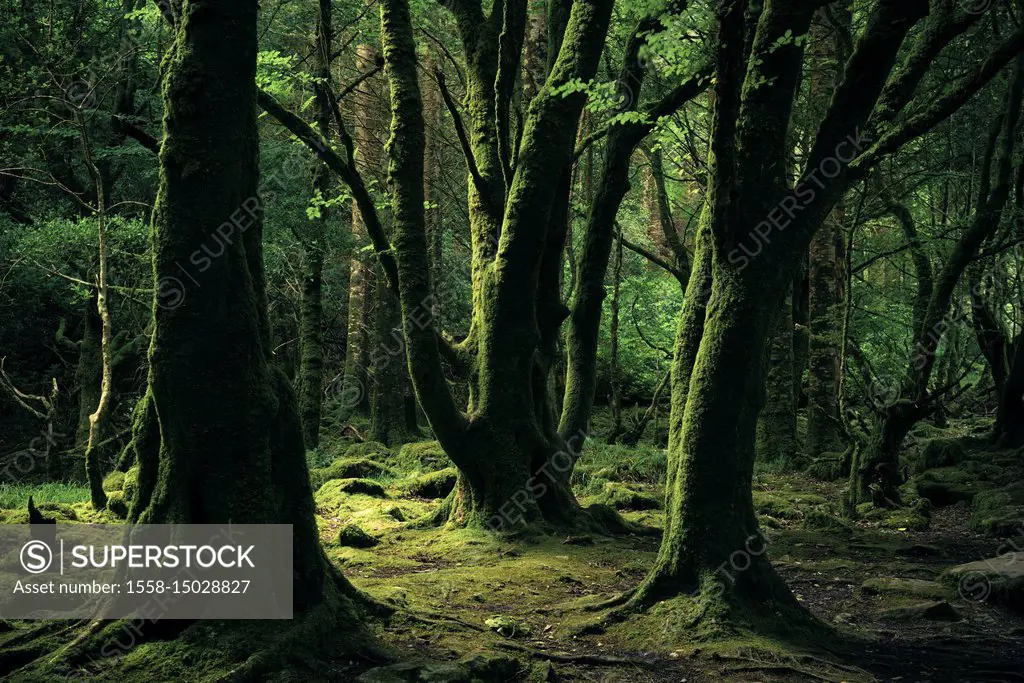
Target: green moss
x,y
116,504
422,455
623,497
828,466
816,520
941,453
334,492
910,587
431,485
348,468
352,536
114,481
785,504
999,512
130,484
946,486
373,450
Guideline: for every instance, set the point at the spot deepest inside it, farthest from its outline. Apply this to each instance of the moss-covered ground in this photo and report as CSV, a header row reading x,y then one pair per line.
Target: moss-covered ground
x,y
873,582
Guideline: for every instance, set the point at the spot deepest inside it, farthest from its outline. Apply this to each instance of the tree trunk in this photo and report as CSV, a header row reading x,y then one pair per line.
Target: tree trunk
x,y
1011,403
615,371
229,446
776,425
311,314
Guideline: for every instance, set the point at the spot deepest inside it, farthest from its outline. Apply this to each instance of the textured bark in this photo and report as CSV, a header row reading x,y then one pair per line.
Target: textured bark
x,y
776,425
615,371
826,268
219,431
367,135
311,338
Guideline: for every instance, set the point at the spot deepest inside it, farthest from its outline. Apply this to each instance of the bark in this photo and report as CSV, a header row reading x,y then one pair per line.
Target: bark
x,y
1011,403
776,425
311,338
219,433
615,370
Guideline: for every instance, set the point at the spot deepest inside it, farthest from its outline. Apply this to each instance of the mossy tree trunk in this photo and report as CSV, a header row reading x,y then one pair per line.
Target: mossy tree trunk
x,y
826,265
311,309
219,435
776,425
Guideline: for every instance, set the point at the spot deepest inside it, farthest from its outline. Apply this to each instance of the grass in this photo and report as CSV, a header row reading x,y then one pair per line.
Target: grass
x,y
15,496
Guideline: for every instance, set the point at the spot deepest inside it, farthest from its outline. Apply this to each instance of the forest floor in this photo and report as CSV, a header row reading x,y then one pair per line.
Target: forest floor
x,y
458,594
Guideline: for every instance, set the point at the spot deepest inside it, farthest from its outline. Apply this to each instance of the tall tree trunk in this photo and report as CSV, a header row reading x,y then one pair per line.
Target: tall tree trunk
x,y
357,380
615,370
826,265
311,314
228,439
776,425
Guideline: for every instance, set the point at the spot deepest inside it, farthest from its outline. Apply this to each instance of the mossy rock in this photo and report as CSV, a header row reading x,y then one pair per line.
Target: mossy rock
x,y
815,520
941,453
827,467
432,485
348,468
931,610
998,580
623,497
114,481
924,430
351,536
998,512
374,450
477,669
918,588
916,517
947,486
117,505
332,495
783,504
130,484
423,455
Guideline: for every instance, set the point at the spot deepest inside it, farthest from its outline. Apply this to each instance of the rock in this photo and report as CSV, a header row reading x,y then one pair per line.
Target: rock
x,y
433,484
348,468
624,497
918,588
999,512
374,450
827,467
941,453
821,521
507,627
117,505
114,481
423,455
352,536
477,669
938,610
395,513
946,486
999,580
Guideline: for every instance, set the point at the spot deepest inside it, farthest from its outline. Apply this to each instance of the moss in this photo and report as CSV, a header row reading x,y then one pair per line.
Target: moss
x,y
915,518
352,536
348,468
431,485
373,450
918,610
422,455
999,512
114,481
785,504
946,486
910,587
623,497
335,491
941,453
130,484
828,466
924,430
815,520
117,505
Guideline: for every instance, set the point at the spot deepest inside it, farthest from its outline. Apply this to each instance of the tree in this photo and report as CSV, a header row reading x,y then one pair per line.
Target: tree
x,y
754,233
